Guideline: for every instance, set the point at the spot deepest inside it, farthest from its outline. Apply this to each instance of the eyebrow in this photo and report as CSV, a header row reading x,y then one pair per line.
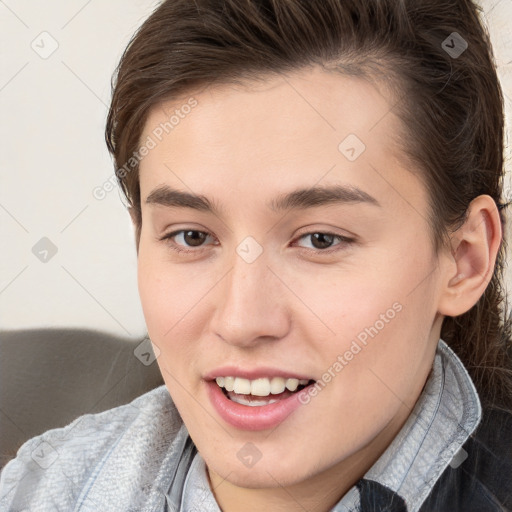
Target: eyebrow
x,y
302,198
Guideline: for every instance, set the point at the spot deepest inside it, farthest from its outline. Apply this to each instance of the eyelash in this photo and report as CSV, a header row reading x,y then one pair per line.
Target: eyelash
x,y
343,240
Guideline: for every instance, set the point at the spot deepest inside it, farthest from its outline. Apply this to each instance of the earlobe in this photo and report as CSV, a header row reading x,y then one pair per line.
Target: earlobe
x,y
474,247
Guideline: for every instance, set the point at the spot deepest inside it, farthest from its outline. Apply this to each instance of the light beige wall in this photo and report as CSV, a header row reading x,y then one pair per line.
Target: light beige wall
x,y
53,108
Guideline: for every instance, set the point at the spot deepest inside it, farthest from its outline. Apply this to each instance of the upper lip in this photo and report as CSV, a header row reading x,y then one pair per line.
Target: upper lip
x,y
254,373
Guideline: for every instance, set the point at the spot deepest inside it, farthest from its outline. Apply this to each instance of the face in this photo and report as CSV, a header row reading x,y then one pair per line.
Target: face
x,y
307,256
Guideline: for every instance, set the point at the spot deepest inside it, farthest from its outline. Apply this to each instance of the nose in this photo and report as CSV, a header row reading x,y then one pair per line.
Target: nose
x,y
251,305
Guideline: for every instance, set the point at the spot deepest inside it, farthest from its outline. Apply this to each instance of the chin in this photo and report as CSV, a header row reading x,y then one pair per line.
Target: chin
x,y
263,475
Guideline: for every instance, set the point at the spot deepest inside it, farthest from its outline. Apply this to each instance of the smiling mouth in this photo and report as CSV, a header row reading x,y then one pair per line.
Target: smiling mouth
x,y
259,392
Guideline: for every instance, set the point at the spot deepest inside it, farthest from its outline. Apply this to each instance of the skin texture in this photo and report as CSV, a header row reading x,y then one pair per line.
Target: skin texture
x,y
295,307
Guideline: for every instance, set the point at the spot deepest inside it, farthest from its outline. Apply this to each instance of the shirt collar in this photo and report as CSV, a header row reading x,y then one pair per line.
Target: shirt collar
x,y
445,415
197,494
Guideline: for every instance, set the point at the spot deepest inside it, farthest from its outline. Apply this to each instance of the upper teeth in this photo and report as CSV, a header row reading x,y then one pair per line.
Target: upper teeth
x,y
259,387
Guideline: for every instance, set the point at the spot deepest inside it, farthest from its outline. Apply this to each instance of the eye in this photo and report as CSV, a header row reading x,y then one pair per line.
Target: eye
x,y
323,242
186,238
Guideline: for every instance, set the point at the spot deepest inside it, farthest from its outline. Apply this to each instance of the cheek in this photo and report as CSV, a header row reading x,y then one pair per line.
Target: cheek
x,y
155,297
167,295
343,305
168,300
375,324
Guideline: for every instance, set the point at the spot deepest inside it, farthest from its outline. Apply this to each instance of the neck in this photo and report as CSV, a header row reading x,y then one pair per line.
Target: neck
x,y
319,493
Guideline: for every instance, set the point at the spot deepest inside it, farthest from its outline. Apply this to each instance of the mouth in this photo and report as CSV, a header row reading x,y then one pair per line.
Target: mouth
x,y
262,391
257,398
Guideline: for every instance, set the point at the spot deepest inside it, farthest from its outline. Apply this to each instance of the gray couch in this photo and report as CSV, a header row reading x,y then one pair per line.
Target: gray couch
x,y
49,377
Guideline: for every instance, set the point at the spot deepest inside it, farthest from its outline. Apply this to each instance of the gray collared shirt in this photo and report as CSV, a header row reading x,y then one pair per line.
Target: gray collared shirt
x,y
139,457
446,413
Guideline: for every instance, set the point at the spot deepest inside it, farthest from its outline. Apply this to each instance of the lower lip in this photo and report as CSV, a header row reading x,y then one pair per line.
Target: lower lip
x,y
246,417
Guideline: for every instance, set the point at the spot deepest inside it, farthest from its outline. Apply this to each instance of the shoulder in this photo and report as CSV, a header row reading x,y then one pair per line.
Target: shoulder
x,y
54,467
479,480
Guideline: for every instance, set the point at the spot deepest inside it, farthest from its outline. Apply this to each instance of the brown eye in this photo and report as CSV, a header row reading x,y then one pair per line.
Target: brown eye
x,y
322,242
182,239
194,238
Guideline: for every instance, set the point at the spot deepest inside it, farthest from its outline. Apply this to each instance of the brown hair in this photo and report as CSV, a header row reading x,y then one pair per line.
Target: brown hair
x,y
451,106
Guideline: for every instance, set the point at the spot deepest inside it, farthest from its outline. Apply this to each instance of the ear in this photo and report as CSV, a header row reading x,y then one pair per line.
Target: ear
x,y
470,267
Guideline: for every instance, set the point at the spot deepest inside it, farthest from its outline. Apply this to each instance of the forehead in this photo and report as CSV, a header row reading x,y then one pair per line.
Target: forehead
x,y
301,103
304,128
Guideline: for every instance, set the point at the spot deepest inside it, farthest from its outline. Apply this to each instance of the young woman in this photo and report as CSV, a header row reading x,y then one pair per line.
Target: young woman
x,y
316,190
